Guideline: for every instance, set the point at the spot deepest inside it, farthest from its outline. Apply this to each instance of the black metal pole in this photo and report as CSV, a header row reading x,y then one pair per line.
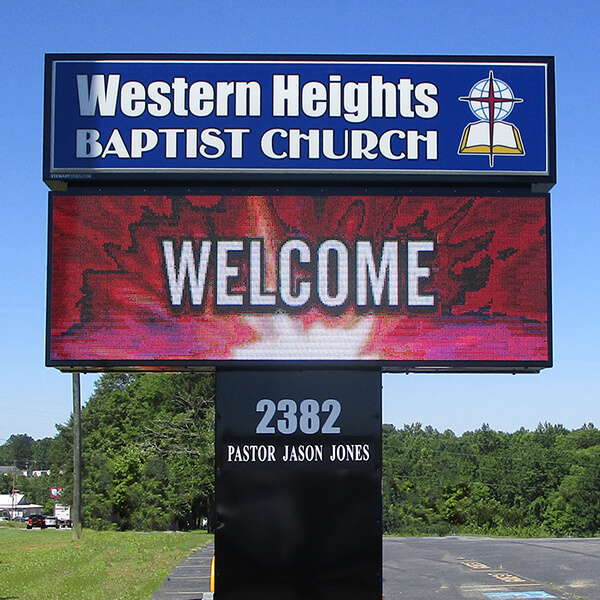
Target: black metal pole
x,y
76,516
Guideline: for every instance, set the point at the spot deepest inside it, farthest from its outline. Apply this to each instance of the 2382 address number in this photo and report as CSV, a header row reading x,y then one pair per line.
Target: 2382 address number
x,y
286,417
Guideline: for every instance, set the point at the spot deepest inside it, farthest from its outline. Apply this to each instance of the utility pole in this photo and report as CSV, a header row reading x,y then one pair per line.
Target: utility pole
x,y
12,514
76,516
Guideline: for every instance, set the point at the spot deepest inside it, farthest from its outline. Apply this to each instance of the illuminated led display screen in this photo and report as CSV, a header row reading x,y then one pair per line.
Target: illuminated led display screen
x,y
399,282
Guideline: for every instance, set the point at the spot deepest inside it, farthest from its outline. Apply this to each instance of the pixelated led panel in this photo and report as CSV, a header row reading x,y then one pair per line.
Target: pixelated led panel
x,y
155,281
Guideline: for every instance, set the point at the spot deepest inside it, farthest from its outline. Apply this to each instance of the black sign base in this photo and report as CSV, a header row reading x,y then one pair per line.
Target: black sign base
x,y
298,486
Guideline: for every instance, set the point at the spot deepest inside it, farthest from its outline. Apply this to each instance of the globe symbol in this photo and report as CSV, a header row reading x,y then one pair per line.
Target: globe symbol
x,y
499,96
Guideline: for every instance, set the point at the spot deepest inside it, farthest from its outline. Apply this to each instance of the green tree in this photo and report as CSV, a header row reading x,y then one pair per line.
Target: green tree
x,y
41,454
574,508
148,451
17,451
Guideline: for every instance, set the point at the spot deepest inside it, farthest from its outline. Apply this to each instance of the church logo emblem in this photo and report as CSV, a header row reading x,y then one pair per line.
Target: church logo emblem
x,y
491,100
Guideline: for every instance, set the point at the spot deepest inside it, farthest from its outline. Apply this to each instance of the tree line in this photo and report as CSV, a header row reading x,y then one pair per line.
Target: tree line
x,y
148,463
528,483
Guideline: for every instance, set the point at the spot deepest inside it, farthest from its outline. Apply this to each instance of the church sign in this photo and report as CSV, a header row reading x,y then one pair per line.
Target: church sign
x,y
299,225
386,280
160,118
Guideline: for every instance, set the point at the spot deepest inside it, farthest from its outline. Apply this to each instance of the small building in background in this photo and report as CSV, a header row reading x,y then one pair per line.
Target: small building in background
x,y
17,505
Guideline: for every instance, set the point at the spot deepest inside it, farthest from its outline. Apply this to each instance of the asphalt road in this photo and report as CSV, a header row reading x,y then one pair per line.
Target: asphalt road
x,y
450,568
457,568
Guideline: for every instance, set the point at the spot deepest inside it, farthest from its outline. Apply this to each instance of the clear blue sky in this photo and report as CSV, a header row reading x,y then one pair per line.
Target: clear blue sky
x,y
34,398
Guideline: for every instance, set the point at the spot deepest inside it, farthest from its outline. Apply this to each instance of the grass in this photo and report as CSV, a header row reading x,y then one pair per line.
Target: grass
x,y
51,565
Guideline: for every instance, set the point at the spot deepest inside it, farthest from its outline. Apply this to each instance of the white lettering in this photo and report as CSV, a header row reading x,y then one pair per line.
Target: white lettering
x,y
339,280
385,144
98,94
329,144
87,144
237,269
133,99
160,105
356,102
286,95
251,453
303,453
201,99
350,453
266,143
115,145
394,144
247,98
225,89
237,142
257,276
370,278
383,97
429,106
406,87
227,272
142,140
293,293
364,143
170,141
212,145
179,87
416,272
430,139
312,138
187,267
314,99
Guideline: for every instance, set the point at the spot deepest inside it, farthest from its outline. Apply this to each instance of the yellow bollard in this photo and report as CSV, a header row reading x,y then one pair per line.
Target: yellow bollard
x,y
212,575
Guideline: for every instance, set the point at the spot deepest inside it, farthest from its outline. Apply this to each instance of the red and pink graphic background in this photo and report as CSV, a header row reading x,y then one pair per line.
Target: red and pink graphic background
x,y
109,298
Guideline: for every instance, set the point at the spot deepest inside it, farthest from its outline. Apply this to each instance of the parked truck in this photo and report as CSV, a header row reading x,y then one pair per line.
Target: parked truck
x,y
63,515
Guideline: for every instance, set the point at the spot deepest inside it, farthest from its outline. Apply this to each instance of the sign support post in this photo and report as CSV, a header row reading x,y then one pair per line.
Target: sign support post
x,y
298,485
76,516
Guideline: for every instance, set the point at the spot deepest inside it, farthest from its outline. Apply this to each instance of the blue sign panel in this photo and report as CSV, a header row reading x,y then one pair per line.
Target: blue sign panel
x,y
324,118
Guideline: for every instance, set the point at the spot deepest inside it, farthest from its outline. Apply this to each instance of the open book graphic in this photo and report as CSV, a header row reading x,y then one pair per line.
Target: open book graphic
x,y
480,138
